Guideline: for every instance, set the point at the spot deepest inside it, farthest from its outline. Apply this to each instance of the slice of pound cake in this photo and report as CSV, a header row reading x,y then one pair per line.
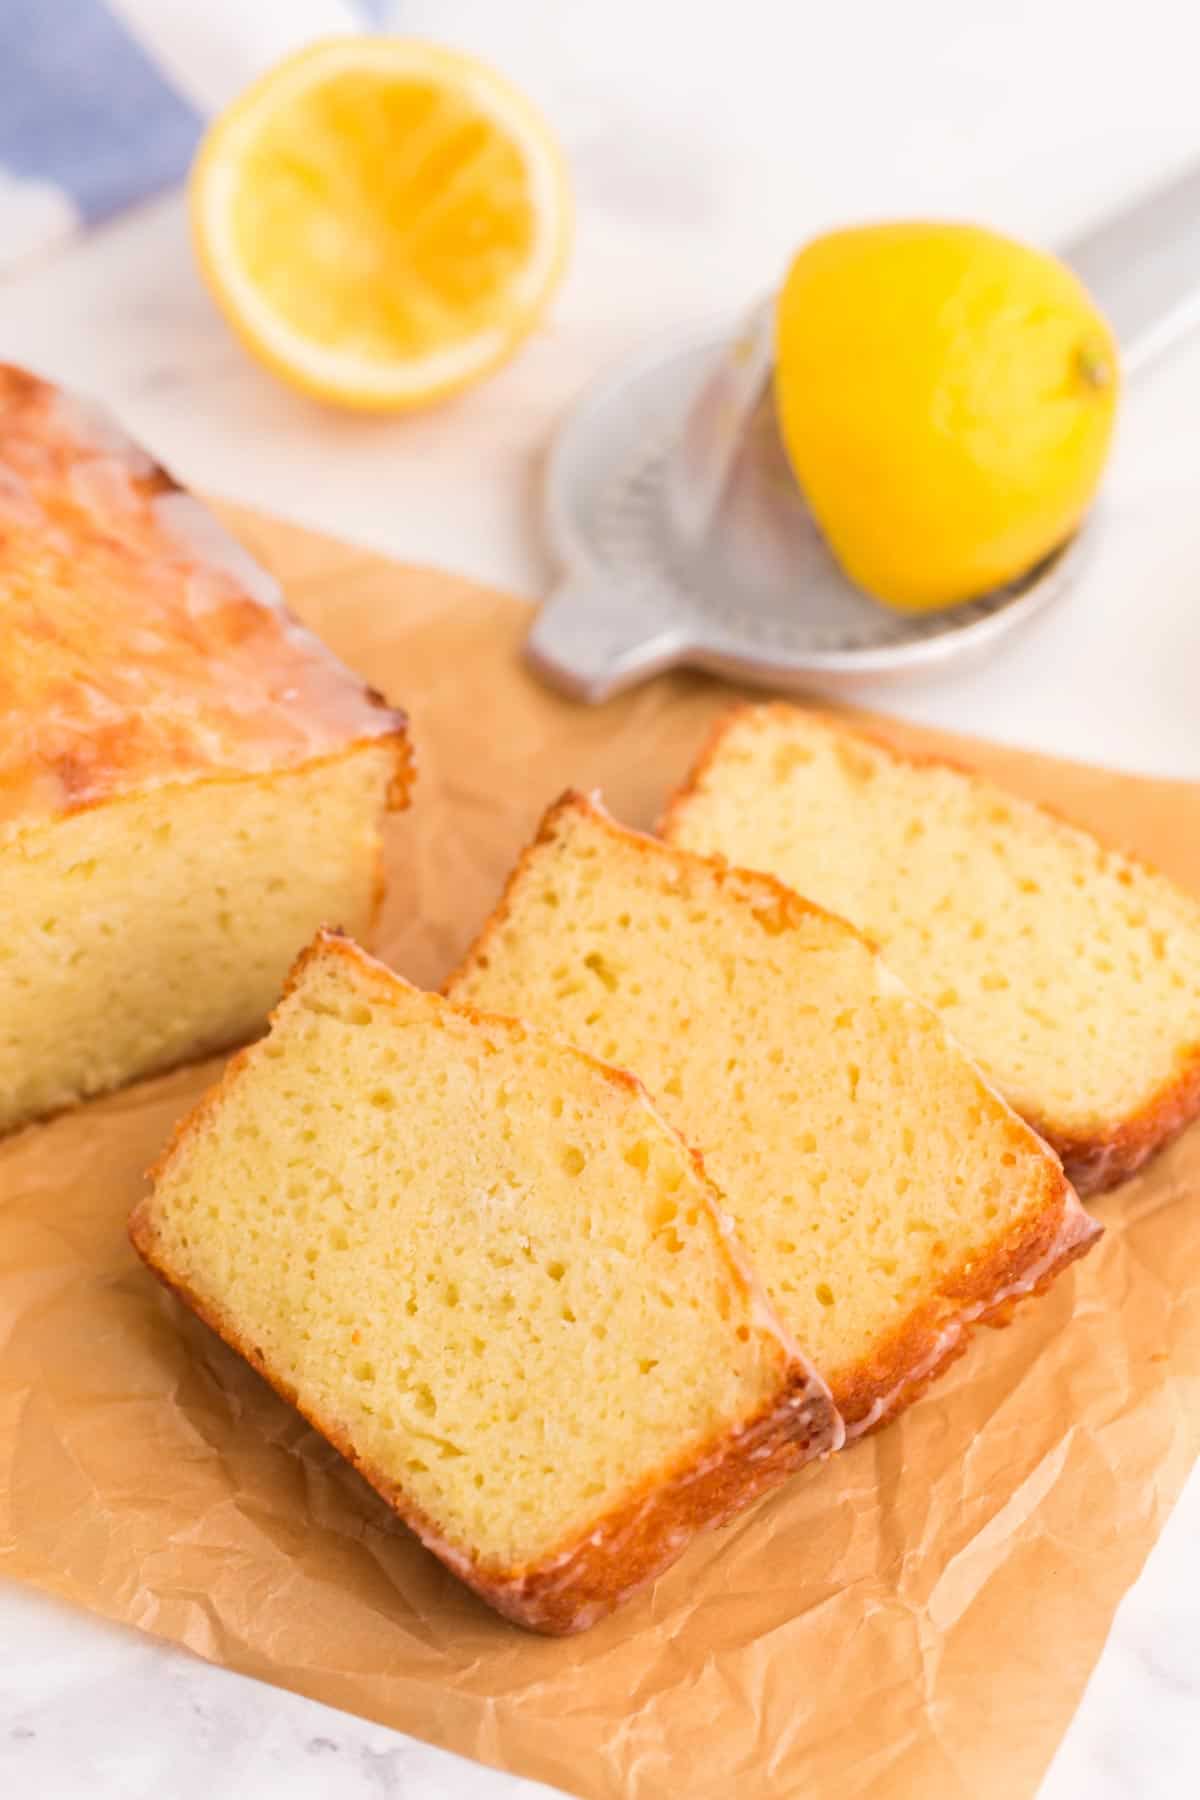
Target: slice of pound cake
x,y
485,1268
189,782
886,1194
1071,972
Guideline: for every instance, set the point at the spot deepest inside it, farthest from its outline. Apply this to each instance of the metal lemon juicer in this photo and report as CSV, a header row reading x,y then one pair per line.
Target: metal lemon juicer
x,y
684,537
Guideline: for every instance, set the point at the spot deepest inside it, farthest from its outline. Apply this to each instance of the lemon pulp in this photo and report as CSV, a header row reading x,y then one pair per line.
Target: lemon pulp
x,y
381,220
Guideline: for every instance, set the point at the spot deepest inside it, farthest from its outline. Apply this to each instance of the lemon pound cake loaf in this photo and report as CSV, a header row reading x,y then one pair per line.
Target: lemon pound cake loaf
x,y
887,1195
485,1268
189,782
1071,972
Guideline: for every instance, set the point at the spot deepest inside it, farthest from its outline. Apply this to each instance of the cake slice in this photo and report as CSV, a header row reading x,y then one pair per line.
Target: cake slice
x,y
1069,971
887,1195
190,783
484,1267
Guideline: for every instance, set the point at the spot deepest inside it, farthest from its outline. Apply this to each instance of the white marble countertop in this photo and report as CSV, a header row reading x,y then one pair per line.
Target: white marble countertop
x,y
705,141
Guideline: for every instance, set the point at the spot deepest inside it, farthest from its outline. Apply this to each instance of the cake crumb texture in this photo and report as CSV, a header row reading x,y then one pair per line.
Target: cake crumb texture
x,y
488,1270
190,782
159,927
887,1195
1071,972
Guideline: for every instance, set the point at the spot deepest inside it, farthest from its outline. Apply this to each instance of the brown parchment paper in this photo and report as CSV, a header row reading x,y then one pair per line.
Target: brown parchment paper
x,y
916,1617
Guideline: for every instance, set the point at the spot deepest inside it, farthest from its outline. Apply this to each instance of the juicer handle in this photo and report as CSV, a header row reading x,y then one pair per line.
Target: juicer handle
x,y
592,638
1143,267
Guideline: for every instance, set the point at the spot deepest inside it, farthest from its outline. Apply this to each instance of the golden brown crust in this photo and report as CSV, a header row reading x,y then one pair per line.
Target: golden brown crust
x,y
791,905
1019,1264
1104,1159
1094,1161
139,644
590,1575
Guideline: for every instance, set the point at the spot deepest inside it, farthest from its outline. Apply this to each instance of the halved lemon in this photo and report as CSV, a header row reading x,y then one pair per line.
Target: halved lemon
x,y
381,221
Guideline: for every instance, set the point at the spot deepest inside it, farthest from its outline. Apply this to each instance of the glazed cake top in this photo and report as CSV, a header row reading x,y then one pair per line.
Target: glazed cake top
x,y
139,644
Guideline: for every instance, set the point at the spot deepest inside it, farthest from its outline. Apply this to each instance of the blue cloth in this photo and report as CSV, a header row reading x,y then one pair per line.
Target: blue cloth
x,y
83,108
89,122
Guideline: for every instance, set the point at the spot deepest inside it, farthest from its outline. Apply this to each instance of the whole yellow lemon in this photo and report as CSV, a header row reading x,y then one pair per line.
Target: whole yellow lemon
x,y
946,397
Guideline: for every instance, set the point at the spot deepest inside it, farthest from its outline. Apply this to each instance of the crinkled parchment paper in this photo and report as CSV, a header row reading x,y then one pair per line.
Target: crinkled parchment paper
x,y
917,1616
